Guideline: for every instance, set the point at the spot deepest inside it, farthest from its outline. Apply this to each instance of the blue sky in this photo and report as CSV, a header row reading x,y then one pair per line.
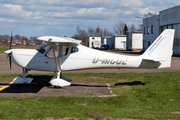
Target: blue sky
x,y
61,17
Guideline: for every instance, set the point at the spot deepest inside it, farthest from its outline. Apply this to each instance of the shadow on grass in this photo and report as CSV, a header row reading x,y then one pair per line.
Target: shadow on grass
x,y
130,83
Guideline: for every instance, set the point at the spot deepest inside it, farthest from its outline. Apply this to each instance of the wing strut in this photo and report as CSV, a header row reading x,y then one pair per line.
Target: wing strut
x,y
58,81
56,57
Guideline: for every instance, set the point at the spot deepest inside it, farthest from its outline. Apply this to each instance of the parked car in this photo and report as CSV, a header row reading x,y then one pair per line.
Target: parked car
x,y
104,47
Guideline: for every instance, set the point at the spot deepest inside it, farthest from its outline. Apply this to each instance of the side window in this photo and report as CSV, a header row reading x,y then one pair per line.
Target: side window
x,y
50,53
74,49
63,51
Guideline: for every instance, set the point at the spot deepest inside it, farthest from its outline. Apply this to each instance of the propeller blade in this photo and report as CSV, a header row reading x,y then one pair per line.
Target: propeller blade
x,y
10,48
10,61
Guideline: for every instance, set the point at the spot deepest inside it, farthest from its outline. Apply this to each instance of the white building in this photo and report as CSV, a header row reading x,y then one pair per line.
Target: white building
x,y
96,42
134,41
113,42
119,42
167,19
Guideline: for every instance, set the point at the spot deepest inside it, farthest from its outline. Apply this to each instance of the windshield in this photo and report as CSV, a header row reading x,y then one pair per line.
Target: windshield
x,y
42,47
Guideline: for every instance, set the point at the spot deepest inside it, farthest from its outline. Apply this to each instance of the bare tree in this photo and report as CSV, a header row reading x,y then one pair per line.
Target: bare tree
x,y
140,27
118,28
107,33
132,28
80,35
6,37
98,32
91,31
17,37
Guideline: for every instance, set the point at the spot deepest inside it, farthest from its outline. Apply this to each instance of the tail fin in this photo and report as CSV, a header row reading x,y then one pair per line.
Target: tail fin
x,y
161,49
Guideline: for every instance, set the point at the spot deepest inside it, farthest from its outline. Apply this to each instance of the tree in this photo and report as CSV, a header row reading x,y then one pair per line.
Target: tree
x,y
91,31
6,37
107,33
140,27
132,28
125,29
119,28
98,32
80,35
17,37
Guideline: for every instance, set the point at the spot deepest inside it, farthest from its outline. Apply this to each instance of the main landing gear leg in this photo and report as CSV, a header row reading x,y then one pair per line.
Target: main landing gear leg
x,y
21,79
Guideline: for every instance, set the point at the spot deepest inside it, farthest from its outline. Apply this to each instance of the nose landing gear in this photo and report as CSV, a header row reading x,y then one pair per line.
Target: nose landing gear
x,y
21,79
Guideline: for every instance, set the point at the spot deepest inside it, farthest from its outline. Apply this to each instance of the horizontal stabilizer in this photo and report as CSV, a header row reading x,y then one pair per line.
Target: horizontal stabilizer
x,y
154,59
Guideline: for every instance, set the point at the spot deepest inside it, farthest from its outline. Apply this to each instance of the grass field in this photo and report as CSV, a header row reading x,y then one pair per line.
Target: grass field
x,y
139,96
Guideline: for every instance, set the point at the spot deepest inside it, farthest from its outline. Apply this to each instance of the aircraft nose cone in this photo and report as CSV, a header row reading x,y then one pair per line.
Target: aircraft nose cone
x,y
8,52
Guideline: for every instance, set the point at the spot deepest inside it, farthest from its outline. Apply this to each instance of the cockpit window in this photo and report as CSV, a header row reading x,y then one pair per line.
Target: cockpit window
x,y
42,47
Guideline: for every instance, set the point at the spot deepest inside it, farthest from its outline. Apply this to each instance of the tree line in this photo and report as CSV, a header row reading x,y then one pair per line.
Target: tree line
x,y
6,38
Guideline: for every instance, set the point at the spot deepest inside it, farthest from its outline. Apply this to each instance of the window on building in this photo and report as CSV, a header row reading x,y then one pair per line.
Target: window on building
x,y
144,30
149,43
147,29
152,29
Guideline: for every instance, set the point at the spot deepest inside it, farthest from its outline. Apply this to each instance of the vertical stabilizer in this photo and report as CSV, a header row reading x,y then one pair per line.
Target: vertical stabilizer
x,y
161,49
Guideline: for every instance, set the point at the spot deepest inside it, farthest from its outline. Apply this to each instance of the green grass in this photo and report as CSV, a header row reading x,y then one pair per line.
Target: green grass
x,y
140,96
3,49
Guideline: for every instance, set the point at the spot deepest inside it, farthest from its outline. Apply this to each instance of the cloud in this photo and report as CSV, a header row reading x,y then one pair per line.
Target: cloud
x,y
131,3
178,3
7,20
160,2
14,10
146,10
95,12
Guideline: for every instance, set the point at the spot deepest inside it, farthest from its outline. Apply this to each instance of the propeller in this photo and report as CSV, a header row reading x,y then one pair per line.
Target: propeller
x,y
10,49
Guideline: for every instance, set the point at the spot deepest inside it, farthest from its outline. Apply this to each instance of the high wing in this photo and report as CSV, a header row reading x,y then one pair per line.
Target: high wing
x,y
55,42
60,40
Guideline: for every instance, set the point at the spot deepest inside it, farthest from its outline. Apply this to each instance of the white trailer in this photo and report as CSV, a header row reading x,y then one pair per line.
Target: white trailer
x,y
94,42
134,41
120,42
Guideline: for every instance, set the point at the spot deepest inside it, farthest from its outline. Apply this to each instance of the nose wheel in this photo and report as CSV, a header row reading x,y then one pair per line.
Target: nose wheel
x,y
21,79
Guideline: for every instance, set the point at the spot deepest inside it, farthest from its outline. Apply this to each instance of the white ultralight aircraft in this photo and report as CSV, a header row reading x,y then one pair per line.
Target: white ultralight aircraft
x,y
59,54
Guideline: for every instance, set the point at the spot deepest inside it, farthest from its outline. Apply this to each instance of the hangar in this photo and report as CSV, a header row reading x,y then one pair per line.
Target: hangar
x,y
153,26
